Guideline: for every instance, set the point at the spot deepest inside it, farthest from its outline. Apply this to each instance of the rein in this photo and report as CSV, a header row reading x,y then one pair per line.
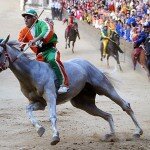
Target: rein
x,y
7,57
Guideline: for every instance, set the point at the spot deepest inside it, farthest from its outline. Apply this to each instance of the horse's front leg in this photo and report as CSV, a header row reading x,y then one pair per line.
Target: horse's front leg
x,y
66,43
69,43
50,98
101,50
73,46
78,35
108,61
33,107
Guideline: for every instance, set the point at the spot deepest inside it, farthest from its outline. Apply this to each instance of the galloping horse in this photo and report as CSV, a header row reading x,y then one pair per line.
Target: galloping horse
x,y
112,48
37,82
72,35
142,56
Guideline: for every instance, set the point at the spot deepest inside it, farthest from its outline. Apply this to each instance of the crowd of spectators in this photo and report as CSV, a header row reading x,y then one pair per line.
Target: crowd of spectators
x,y
127,17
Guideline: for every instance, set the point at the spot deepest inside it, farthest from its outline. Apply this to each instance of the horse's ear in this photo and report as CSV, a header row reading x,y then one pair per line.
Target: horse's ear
x,y
6,40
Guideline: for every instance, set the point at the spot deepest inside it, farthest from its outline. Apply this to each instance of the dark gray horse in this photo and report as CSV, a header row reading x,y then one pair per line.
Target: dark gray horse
x,y
37,82
72,36
113,48
147,53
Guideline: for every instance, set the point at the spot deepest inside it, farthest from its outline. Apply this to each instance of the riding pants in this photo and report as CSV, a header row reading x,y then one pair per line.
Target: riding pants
x,y
105,43
52,56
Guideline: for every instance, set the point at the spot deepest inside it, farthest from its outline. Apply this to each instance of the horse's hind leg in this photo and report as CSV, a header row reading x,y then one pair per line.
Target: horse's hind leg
x,y
85,100
118,62
126,107
33,107
107,89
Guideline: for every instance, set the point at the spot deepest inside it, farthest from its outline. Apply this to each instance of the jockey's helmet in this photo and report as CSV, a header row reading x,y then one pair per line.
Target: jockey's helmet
x,y
30,12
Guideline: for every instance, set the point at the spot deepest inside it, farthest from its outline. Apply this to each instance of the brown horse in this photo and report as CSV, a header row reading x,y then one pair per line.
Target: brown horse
x,y
71,36
142,56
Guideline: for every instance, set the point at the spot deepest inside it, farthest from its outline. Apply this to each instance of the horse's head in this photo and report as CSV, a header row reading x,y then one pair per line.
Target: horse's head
x,y
115,37
4,59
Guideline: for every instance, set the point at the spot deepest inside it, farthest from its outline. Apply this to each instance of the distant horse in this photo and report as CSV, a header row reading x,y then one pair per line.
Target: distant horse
x,y
37,82
71,36
112,48
142,56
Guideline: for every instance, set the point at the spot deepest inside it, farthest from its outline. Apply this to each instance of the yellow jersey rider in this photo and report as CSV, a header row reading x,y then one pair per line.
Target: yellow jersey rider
x,y
105,36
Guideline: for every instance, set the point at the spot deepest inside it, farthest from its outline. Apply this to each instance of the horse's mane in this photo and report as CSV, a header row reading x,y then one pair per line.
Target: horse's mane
x,y
147,44
15,44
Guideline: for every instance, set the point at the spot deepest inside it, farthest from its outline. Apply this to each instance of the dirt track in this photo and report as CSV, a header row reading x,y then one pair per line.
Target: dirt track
x,y
78,130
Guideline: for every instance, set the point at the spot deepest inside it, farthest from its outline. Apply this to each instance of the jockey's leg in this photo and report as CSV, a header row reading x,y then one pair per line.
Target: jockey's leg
x,y
105,42
53,57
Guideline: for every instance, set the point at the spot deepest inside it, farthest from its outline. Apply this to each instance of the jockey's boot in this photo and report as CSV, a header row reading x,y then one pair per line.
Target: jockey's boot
x,y
63,89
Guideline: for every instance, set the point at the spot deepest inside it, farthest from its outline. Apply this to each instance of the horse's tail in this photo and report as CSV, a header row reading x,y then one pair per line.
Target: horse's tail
x,y
115,82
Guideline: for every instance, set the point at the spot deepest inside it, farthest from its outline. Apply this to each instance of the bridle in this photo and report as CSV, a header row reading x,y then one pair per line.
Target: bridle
x,y
7,58
3,64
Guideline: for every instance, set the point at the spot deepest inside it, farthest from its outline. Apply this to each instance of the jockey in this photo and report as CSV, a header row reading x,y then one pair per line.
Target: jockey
x,y
105,36
141,39
42,40
71,21
143,35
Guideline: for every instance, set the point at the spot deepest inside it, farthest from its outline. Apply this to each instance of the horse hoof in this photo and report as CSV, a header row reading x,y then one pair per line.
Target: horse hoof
x,y
110,138
41,131
55,140
136,136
